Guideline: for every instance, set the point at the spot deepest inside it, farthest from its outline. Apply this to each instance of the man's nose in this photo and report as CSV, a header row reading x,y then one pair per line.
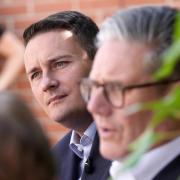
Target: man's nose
x,y
49,82
98,103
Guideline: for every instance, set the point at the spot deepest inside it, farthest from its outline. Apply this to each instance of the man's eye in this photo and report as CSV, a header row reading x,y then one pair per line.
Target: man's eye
x,y
61,64
35,75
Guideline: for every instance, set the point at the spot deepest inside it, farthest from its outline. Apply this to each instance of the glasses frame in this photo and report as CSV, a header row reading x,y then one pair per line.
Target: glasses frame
x,y
123,89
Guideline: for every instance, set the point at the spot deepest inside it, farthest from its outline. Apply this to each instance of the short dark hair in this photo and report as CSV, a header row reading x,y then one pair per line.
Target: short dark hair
x,y
82,27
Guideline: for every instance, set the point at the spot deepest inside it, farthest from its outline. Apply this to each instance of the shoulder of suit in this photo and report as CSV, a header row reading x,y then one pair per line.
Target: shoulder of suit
x,y
63,143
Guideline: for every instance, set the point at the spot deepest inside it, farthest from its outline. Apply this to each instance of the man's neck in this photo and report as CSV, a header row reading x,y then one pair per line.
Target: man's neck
x,y
80,130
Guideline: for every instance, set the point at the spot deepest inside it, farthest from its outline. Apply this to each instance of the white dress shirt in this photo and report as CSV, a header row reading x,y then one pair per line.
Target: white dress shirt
x,y
150,164
82,146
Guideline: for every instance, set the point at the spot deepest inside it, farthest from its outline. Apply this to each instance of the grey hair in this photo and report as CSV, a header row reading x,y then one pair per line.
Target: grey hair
x,y
153,25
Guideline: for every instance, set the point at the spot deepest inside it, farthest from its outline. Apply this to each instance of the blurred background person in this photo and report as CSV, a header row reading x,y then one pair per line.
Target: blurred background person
x,y
11,58
24,148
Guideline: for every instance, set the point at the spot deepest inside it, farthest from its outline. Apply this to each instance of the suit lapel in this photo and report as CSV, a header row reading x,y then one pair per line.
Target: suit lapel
x,y
171,171
71,167
67,161
100,165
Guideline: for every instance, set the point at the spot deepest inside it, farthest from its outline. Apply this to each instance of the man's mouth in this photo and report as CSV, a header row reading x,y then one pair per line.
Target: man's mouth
x,y
56,99
106,132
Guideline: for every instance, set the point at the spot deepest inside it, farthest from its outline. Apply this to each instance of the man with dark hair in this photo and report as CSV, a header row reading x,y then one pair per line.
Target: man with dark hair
x,y
59,52
131,45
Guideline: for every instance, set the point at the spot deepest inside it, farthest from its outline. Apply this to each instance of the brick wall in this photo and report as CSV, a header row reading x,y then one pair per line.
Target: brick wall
x,y
18,14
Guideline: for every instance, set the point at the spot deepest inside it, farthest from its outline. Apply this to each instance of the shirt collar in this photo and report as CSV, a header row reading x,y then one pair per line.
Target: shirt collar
x,y
78,145
151,163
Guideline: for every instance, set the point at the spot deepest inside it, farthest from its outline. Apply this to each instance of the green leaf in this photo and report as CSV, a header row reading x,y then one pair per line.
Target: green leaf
x,y
162,108
170,59
139,147
176,34
171,55
166,107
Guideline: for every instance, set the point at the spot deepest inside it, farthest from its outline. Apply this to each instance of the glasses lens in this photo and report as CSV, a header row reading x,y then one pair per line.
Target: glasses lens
x,y
85,89
114,95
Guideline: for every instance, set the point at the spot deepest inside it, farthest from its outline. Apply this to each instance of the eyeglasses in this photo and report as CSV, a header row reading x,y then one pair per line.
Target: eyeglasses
x,y
114,92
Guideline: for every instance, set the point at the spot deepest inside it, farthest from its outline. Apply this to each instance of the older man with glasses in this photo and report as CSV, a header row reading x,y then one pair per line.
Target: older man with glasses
x,y
131,46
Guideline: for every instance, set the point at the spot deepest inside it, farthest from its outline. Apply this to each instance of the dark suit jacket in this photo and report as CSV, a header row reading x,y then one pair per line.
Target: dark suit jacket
x,y
68,162
171,171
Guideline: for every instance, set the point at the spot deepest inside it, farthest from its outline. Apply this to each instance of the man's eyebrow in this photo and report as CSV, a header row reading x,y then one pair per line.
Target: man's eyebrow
x,y
32,71
49,61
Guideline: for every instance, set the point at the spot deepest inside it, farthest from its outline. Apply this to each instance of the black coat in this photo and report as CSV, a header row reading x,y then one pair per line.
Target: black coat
x,y
171,171
68,162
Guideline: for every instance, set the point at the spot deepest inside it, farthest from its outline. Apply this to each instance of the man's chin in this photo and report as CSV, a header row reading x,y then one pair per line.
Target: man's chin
x,y
74,119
